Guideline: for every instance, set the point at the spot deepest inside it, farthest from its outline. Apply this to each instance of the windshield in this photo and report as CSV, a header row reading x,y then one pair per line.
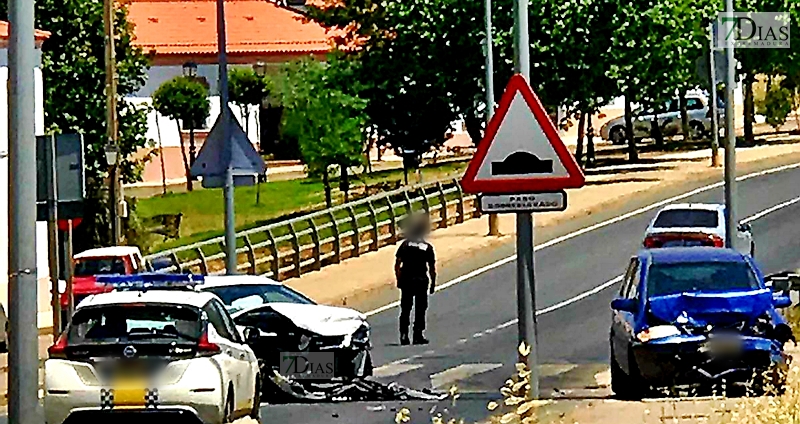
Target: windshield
x,y
99,266
666,279
687,218
119,323
245,296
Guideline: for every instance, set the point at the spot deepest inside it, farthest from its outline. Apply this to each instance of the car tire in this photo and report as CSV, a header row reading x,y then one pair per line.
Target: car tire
x,y
617,135
256,412
696,130
625,386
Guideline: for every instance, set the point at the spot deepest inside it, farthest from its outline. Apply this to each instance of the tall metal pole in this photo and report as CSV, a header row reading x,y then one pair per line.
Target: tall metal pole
x,y
111,117
228,189
494,221
526,296
730,144
23,349
713,92
52,231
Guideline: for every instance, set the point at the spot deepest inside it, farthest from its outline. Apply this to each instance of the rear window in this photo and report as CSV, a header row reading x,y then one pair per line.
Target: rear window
x,y
118,323
99,266
666,279
686,218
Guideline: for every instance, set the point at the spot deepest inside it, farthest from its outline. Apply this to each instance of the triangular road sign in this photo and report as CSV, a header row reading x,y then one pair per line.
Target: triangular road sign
x,y
210,163
521,151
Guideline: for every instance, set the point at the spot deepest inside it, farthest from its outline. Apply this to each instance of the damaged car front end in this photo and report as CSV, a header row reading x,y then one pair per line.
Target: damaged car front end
x,y
701,341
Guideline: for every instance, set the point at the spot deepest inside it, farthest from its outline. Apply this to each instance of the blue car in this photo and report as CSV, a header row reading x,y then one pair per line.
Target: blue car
x,y
693,319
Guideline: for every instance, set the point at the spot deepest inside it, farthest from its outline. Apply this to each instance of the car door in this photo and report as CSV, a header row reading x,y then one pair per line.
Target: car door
x,y
230,353
243,360
624,321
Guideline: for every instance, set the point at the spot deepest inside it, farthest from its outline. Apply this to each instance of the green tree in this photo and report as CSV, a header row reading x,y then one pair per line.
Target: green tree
x,y
327,122
75,101
184,99
247,88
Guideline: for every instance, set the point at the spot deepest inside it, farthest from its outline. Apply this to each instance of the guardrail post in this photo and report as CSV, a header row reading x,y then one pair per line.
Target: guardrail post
x,y
316,252
392,220
251,255
337,242
203,263
443,209
426,204
409,205
276,259
459,205
296,248
373,217
176,263
356,234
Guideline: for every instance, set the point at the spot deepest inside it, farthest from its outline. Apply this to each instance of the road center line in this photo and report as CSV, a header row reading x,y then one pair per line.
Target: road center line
x,y
590,228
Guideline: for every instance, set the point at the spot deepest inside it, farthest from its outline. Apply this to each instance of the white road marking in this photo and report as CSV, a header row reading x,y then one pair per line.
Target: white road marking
x,y
392,370
445,379
768,211
590,228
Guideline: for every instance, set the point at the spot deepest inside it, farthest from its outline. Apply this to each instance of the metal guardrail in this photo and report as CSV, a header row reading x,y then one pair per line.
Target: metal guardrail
x,y
299,245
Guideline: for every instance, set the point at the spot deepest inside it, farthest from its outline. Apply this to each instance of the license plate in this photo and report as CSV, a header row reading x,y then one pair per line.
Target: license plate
x,y
130,392
723,346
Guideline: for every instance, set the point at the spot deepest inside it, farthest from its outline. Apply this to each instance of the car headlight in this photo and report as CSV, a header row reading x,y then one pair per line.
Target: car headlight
x,y
658,332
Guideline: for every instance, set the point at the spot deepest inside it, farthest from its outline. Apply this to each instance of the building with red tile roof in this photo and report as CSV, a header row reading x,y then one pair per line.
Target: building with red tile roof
x,y
179,30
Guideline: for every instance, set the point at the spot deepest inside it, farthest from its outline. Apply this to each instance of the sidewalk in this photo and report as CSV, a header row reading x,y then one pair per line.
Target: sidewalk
x,y
368,281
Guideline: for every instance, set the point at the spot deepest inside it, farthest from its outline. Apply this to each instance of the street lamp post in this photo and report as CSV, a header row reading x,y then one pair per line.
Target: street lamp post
x,y
111,116
260,68
190,71
111,151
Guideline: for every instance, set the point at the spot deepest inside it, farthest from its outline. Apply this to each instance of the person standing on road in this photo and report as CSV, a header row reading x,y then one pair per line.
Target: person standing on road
x,y
415,270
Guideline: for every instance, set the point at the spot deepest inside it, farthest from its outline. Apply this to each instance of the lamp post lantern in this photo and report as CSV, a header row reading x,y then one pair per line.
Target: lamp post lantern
x,y
190,69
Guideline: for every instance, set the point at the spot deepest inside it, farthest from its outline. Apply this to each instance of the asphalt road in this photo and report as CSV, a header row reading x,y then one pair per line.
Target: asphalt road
x,y
474,336
472,324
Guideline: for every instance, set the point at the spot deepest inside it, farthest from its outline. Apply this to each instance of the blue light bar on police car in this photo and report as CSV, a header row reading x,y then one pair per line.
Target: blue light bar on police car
x,y
151,280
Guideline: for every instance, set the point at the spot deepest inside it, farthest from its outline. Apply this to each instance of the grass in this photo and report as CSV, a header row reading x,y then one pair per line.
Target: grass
x,y
203,210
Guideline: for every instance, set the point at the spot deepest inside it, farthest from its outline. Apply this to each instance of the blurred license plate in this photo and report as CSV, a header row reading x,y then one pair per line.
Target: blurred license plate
x,y
129,392
725,345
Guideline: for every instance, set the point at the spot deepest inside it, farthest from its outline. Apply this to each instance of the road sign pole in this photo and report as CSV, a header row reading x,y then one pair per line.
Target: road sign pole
x,y
494,221
228,189
526,282
23,346
713,92
52,231
730,135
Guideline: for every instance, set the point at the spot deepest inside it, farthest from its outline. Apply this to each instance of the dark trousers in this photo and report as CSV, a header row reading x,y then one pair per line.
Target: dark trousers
x,y
408,299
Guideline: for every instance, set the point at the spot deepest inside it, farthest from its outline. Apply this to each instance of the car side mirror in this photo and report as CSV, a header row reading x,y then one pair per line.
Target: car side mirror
x,y
778,285
251,335
624,305
745,228
782,301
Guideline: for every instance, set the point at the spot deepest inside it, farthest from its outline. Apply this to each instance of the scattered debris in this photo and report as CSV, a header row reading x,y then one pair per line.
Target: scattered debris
x,y
356,390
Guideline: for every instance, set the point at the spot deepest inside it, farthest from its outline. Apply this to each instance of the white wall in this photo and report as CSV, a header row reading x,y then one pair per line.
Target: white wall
x,y
165,129
45,314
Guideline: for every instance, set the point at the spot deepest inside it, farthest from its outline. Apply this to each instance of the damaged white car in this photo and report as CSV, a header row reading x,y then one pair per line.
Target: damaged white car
x,y
291,322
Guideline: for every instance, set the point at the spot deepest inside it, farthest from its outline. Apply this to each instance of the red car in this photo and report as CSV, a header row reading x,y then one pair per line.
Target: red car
x,y
101,261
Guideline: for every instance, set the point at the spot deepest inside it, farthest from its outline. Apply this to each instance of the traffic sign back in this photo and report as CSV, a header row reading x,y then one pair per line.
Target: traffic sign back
x,y
521,151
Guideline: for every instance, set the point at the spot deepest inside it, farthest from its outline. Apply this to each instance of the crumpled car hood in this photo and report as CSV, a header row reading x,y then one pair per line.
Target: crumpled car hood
x,y
319,319
701,309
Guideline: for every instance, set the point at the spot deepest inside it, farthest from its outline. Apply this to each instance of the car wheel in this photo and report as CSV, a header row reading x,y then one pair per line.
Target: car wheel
x,y
256,412
696,130
619,380
617,135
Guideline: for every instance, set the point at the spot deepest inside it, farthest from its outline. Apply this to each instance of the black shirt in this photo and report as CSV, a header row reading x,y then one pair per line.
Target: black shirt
x,y
416,260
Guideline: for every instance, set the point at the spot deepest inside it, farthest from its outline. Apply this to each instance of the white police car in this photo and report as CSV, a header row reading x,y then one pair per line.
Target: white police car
x,y
148,348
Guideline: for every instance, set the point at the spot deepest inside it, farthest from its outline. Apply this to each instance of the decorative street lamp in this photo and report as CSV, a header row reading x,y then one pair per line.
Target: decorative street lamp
x,y
112,154
190,69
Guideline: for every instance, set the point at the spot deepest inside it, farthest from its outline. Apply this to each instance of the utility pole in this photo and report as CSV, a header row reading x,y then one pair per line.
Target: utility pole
x,y
730,136
494,221
227,154
23,346
525,278
111,119
713,93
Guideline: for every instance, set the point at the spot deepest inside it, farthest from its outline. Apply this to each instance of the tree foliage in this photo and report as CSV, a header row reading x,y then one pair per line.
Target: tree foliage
x,y
327,121
75,101
184,99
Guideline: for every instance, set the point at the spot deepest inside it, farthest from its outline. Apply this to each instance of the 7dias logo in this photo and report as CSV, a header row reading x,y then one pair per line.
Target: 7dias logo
x,y
752,30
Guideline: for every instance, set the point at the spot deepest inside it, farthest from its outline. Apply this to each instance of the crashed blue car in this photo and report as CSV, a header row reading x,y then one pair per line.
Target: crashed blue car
x,y
690,319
